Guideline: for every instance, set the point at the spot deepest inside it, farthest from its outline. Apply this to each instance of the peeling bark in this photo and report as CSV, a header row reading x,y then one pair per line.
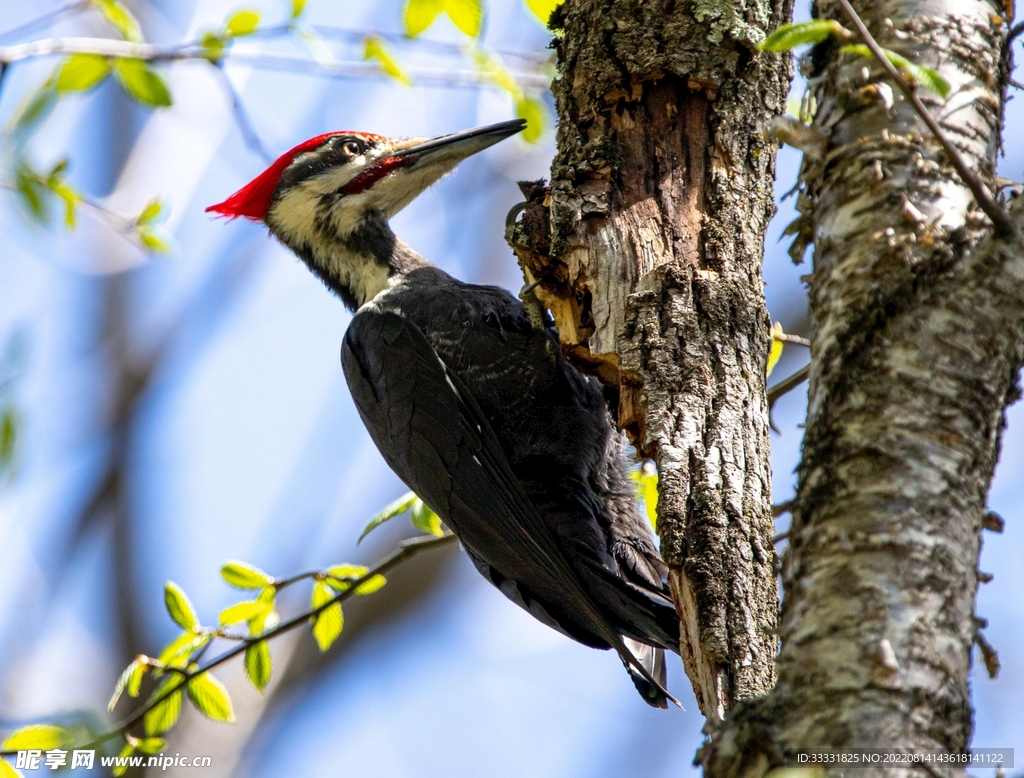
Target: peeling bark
x,y
648,246
918,338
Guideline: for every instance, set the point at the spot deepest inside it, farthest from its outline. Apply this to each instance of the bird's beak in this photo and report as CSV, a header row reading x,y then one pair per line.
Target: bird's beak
x,y
449,150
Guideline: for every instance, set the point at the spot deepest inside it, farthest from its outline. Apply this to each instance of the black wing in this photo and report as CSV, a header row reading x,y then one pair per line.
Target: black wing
x,y
431,432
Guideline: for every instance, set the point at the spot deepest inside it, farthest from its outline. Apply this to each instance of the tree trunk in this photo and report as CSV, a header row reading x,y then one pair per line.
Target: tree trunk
x,y
648,246
918,328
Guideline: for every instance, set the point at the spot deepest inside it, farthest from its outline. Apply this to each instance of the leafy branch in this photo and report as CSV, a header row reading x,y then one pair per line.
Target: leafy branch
x,y
179,667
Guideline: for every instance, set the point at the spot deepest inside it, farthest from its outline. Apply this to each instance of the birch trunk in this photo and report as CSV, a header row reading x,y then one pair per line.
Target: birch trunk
x,y
648,246
918,329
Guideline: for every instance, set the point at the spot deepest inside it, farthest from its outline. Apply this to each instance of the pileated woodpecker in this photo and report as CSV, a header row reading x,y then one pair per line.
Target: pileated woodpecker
x,y
469,399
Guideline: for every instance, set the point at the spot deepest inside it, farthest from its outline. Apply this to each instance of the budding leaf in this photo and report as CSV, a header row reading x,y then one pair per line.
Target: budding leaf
x,y
467,15
31,191
211,697
142,82
258,665
777,345
180,649
371,585
81,72
121,19
397,508
243,23
532,110
418,15
150,745
242,575
151,212
242,611
375,49
153,242
36,736
37,109
8,435
647,490
425,520
543,9
789,36
122,683
6,771
297,8
180,607
327,624
927,77
164,714
121,769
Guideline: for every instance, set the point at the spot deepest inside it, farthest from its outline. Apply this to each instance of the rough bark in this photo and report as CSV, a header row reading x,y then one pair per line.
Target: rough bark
x,y
648,246
918,331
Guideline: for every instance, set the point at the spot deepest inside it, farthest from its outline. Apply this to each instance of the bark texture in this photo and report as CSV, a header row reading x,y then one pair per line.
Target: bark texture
x,y
648,246
918,331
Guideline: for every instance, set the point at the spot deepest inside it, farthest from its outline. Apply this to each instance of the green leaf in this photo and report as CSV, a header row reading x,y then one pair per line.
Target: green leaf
x,y
789,36
8,435
243,23
418,15
152,212
375,49
165,714
494,71
543,9
327,624
121,769
130,679
121,19
318,49
213,46
647,490
397,508
180,649
258,665
533,111
179,606
36,109
242,575
153,242
31,190
6,771
69,196
141,82
81,72
371,585
425,520
150,745
348,571
777,345
242,611
268,618
467,15
926,77
211,697
36,736
297,8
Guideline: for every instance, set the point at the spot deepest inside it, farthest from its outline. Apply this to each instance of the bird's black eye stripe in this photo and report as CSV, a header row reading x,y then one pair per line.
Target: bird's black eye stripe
x,y
332,153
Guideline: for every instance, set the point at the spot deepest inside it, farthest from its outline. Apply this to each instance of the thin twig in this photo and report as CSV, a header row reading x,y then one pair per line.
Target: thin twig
x,y
45,20
243,120
783,507
787,384
1015,31
786,338
406,550
987,203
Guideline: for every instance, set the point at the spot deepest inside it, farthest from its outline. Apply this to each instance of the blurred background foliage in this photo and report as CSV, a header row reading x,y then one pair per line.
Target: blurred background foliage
x,y
171,397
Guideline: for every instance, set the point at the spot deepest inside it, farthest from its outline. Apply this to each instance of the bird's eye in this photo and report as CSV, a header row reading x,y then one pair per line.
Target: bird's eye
x,y
353,148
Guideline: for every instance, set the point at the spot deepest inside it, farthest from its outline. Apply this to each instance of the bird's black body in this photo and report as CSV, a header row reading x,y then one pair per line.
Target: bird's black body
x,y
469,399
436,366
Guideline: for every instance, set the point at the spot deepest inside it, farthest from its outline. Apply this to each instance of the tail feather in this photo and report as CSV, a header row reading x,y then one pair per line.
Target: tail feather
x,y
653,660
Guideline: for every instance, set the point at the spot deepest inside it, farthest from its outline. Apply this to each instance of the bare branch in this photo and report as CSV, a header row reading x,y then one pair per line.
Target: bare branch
x,y
109,47
787,384
243,120
986,202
